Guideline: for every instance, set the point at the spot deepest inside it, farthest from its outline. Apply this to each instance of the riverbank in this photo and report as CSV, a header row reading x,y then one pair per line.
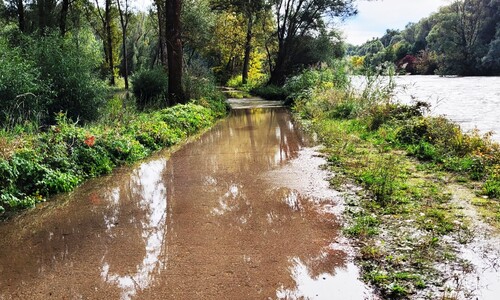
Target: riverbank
x,y
36,165
411,183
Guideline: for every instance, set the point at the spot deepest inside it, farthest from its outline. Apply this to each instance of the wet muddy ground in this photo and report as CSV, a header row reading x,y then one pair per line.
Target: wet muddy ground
x,y
243,212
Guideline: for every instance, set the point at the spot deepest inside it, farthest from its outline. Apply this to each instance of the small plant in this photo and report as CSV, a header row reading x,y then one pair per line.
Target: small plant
x,y
492,186
363,226
381,178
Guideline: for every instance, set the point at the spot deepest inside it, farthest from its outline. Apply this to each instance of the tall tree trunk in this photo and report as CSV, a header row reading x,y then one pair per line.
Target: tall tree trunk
x,y
162,47
248,51
278,74
125,58
20,15
109,39
64,16
124,24
174,52
42,17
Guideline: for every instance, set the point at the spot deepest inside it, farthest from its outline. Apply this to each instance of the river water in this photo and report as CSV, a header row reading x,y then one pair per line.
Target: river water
x,y
472,102
242,212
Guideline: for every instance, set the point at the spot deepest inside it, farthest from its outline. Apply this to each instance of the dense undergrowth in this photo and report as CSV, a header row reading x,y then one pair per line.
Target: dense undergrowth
x,y
61,123
35,165
404,159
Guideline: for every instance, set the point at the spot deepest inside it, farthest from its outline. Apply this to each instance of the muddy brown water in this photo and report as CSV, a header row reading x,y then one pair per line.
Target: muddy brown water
x,y
242,212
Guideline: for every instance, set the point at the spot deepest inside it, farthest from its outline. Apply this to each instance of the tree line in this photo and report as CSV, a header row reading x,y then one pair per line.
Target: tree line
x,y
64,53
462,38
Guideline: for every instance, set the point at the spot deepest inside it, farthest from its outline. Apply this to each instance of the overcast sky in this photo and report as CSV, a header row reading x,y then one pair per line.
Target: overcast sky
x,y
374,17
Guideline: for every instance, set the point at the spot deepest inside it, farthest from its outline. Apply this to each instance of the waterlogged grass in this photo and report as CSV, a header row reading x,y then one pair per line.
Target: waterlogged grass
x,y
34,166
404,220
401,219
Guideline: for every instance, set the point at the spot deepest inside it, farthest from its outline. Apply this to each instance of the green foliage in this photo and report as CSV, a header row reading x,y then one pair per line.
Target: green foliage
x,y
301,86
66,154
190,117
492,186
199,83
462,38
51,74
363,226
270,92
22,93
382,178
150,87
69,65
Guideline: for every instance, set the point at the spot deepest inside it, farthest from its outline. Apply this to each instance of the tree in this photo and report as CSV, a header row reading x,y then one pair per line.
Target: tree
x,y
162,22
124,21
296,19
64,15
227,44
20,15
174,51
106,33
251,10
457,34
198,29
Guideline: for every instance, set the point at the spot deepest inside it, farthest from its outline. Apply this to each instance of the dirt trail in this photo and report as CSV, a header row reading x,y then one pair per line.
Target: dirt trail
x,y
240,213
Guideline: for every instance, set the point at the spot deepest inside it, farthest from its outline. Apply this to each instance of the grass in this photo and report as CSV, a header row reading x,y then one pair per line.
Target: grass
x,y
404,160
37,164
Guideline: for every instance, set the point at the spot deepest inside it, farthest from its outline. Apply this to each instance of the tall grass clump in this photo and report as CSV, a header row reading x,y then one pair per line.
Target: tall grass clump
x,y
22,92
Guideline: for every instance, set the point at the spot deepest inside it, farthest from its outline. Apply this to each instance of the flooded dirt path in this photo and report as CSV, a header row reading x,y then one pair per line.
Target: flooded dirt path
x,y
243,212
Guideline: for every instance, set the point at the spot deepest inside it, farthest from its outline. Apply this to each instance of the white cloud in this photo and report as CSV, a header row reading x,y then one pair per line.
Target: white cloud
x,y
375,17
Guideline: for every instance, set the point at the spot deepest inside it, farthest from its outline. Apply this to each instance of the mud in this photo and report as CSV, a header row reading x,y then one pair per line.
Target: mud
x,y
243,212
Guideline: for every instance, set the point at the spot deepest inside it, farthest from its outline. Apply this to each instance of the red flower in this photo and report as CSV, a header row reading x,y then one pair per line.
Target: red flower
x,y
89,140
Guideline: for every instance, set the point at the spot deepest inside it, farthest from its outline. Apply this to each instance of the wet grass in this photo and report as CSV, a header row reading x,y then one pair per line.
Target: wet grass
x,y
400,218
404,220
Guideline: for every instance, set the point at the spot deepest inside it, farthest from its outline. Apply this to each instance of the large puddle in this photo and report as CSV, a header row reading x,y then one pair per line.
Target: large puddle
x,y
243,212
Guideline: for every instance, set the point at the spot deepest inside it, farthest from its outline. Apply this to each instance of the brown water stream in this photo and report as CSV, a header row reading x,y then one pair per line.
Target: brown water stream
x,y
243,212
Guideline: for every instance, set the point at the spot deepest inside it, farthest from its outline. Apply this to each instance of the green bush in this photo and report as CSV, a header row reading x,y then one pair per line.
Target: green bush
x,y
50,75
189,117
301,85
270,92
424,151
69,66
22,93
492,186
150,87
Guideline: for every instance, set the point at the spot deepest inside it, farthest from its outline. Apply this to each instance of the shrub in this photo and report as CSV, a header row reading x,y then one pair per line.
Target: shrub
x,y
413,131
270,92
69,65
492,186
189,117
21,90
424,151
150,87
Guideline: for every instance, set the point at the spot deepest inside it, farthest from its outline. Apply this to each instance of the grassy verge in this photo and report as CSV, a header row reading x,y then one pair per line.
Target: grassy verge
x,y
35,165
403,221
